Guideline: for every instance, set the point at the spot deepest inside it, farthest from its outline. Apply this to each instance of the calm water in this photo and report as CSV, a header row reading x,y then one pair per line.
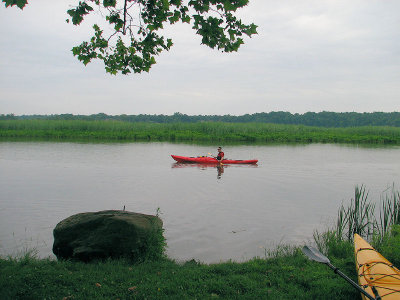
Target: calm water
x,y
209,214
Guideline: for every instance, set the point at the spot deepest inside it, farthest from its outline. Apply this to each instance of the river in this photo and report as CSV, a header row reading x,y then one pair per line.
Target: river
x,y
210,214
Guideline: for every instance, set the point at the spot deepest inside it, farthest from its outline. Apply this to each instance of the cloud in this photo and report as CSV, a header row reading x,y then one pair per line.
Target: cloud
x,y
308,56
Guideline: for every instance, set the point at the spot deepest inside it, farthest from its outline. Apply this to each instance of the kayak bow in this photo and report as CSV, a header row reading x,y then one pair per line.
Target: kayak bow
x,y
211,160
375,273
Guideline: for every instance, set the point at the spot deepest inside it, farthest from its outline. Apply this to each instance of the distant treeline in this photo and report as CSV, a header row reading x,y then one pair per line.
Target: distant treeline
x,y
320,119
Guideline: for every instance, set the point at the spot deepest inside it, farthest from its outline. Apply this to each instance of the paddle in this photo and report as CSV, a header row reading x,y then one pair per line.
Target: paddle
x,y
220,162
317,256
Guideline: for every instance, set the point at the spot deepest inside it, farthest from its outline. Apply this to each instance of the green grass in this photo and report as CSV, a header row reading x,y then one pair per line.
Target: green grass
x,y
283,277
194,132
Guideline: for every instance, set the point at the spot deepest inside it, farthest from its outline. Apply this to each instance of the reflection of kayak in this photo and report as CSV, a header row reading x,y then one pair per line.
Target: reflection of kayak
x,y
211,160
213,165
201,166
375,271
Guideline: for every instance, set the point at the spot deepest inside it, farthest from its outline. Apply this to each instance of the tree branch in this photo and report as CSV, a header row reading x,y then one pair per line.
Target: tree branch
x,y
125,5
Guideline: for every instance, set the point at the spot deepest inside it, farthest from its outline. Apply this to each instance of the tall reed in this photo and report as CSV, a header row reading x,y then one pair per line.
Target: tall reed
x,y
358,217
389,213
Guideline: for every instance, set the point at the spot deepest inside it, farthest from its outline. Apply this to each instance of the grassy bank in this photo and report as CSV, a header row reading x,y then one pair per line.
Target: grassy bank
x,y
195,132
289,276
285,273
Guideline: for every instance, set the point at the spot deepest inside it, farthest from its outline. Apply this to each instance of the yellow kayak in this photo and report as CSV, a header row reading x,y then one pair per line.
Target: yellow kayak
x,y
375,272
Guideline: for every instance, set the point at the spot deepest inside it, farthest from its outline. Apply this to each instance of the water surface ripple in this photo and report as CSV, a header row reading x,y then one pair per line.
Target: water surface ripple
x,y
209,214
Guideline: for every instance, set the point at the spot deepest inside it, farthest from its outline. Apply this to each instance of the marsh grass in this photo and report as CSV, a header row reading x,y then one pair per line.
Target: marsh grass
x,y
389,214
195,132
360,217
390,245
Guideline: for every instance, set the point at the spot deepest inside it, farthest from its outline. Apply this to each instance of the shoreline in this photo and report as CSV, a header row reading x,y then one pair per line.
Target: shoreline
x,y
204,132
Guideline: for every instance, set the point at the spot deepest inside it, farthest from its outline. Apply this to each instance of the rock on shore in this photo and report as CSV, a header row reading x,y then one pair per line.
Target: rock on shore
x,y
107,234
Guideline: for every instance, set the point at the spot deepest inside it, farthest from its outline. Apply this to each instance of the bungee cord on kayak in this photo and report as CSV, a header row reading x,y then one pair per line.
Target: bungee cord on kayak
x,y
376,275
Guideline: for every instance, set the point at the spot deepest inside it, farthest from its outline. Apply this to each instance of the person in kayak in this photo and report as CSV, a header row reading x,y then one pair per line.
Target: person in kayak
x,y
220,155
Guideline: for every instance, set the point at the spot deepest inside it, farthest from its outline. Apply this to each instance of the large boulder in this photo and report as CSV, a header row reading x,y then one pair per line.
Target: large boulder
x,y
108,234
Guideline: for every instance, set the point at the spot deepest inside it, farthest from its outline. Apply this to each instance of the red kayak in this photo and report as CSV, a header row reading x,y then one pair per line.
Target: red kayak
x,y
211,160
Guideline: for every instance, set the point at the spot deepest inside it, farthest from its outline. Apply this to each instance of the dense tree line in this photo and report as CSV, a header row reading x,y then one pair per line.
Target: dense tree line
x,y
323,119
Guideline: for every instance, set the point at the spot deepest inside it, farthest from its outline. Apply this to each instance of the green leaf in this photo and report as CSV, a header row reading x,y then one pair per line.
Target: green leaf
x,y
186,19
221,30
76,18
175,2
19,3
165,4
76,50
109,3
228,6
169,43
78,12
175,17
114,18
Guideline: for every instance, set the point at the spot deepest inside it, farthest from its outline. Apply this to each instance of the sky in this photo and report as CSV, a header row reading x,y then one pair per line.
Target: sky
x,y
311,55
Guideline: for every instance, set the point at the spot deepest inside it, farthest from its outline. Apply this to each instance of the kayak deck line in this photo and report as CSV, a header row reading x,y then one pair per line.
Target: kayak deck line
x,y
376,274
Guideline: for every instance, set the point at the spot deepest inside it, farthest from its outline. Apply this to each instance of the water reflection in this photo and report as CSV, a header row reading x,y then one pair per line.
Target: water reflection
x,y
220,168
294,190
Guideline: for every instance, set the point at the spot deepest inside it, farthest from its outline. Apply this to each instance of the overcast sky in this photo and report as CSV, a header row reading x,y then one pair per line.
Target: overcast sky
x,y
335,55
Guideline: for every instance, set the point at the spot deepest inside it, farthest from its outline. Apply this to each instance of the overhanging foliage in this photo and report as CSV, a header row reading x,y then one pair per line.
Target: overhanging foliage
x,y
135,39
